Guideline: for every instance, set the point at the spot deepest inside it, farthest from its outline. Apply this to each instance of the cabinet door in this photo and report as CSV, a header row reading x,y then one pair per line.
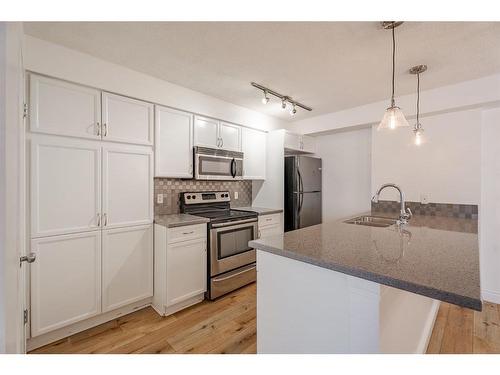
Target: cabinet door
x,y
58,107
186,270
126,120
65,280
254,145
269,231
292,141
127,266
308,144
127,190
230,136
206,132
65,185
174,143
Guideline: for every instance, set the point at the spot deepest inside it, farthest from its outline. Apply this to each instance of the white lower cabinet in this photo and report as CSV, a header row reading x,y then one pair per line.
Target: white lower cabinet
x,y
127,266
180,267
65,280
270,225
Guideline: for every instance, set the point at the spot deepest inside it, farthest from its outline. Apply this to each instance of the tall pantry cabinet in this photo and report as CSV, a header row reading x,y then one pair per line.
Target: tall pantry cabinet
x,y
91,202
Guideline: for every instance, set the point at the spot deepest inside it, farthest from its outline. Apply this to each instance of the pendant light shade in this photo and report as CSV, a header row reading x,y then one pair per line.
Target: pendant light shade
x,y
393,116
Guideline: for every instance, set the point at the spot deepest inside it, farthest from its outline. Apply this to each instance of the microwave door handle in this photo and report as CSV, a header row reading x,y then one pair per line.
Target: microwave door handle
x,y
233,168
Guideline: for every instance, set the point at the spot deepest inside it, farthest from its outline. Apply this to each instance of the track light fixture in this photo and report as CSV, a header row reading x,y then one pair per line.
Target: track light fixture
x,y
418,129
284,99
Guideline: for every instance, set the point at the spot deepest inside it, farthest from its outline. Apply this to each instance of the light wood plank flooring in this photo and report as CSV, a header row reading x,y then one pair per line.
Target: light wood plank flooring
x,y
228,325
461,331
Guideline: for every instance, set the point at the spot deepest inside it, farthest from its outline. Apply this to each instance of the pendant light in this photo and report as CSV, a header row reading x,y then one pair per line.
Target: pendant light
x,y
418,129
393,116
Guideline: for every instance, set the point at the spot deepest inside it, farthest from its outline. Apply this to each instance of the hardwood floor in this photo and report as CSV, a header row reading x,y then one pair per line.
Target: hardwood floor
x,y
228,325
459,330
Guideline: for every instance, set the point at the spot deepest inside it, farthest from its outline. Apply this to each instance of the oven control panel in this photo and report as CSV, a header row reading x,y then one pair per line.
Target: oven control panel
x,y
205,197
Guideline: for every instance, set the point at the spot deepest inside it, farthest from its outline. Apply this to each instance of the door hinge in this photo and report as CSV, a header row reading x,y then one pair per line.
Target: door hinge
x,y
25,110
25,316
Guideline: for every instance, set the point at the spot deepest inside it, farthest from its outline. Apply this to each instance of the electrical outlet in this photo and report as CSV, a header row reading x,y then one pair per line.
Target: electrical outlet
x,y
424,198
159,198
236,195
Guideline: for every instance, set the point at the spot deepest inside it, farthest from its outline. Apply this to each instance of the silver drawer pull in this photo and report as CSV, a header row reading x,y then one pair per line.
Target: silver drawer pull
x,y
269,219
234,275
30,258
188,232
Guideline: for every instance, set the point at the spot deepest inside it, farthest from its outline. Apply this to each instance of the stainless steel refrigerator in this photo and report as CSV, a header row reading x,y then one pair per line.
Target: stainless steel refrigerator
x,y
302,192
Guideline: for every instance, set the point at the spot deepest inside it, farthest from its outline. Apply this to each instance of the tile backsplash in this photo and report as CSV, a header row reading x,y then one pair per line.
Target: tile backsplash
x,y
464,211
171,187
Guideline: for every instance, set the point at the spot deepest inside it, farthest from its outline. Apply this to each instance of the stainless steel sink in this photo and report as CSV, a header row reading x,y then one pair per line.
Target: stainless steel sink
x,y
372,221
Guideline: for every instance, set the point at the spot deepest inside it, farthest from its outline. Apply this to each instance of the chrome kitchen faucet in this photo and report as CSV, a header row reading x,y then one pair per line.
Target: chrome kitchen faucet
x,y
404,213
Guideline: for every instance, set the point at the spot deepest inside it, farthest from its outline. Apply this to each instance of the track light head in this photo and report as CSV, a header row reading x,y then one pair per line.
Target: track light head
x,y
293,111
283,103
265,99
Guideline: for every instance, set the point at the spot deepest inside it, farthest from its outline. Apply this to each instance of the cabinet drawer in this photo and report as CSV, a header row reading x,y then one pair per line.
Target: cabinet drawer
x,y
186,233
265,220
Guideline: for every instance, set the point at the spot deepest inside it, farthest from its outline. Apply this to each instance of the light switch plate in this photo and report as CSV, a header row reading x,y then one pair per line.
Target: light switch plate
x,y
159,198
424,198
236,195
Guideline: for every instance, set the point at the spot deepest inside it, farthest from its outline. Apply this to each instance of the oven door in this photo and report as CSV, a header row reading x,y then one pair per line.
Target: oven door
x,y
209,167
229,245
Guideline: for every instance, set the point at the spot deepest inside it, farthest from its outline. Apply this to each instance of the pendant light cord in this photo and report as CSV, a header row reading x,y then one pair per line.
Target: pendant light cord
x,y
393,103
418,99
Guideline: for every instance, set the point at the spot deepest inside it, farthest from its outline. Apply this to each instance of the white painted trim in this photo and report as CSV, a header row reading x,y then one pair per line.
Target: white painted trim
x,y
491,296
61,333
429,326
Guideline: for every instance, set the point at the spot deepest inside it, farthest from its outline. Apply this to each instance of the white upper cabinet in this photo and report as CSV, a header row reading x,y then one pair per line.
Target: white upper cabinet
x,y
127,186
58,107
127,266
173,143
206,132
254,145
300,144
65,185
65,280
216,134
126,120
230,136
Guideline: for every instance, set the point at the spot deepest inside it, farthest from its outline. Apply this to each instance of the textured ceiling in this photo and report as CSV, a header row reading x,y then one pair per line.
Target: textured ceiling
x,y
329,66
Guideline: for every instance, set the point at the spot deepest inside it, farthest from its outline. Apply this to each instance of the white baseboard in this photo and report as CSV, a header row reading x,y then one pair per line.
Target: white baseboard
x,y
491,296
429,326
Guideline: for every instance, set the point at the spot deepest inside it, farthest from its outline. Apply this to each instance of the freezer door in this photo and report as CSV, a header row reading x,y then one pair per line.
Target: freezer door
x,y
309,210
309,173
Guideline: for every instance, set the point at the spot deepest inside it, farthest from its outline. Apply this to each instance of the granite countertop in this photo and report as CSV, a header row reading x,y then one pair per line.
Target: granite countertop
x,y
259,210
437,257
179,220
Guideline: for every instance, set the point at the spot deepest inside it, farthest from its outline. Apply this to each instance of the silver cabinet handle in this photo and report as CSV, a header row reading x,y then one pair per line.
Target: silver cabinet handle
x,y
30,258
98,219
98,129
221,142
105,216
259,234
104,130
188,232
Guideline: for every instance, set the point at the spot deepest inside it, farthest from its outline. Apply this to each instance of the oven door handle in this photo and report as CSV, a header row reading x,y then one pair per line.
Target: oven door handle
x,y
234,223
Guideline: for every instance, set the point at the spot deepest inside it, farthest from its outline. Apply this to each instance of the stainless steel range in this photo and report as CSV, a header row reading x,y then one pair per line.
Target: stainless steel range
x,y
231,262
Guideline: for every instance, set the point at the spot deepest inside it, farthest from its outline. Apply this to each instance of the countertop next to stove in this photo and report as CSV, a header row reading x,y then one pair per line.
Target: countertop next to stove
x,y
260,210
179,220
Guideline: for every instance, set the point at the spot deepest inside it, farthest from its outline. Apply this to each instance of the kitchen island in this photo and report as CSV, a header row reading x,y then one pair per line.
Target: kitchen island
x,y
346,288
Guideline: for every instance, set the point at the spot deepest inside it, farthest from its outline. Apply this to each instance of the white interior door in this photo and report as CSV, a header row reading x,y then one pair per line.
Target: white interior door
x,y
126,120
174,143
62,108
230,136
186,270
254,145
206,132
127,266
127,189
65,185
65,280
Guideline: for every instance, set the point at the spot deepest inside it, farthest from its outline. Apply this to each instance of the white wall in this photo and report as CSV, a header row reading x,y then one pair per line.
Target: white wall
x,y
490,206
447,167
346,173
61,62
11,190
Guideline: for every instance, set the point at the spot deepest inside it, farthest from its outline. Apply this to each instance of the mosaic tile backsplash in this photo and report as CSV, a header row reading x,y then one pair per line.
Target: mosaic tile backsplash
x,y
171,187
463,211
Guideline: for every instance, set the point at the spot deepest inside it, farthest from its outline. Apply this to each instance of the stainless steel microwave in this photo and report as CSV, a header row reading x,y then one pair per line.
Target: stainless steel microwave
x,y
217,164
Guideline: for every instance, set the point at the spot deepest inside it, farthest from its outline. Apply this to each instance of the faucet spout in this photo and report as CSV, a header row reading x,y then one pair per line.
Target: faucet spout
x,y
404,213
